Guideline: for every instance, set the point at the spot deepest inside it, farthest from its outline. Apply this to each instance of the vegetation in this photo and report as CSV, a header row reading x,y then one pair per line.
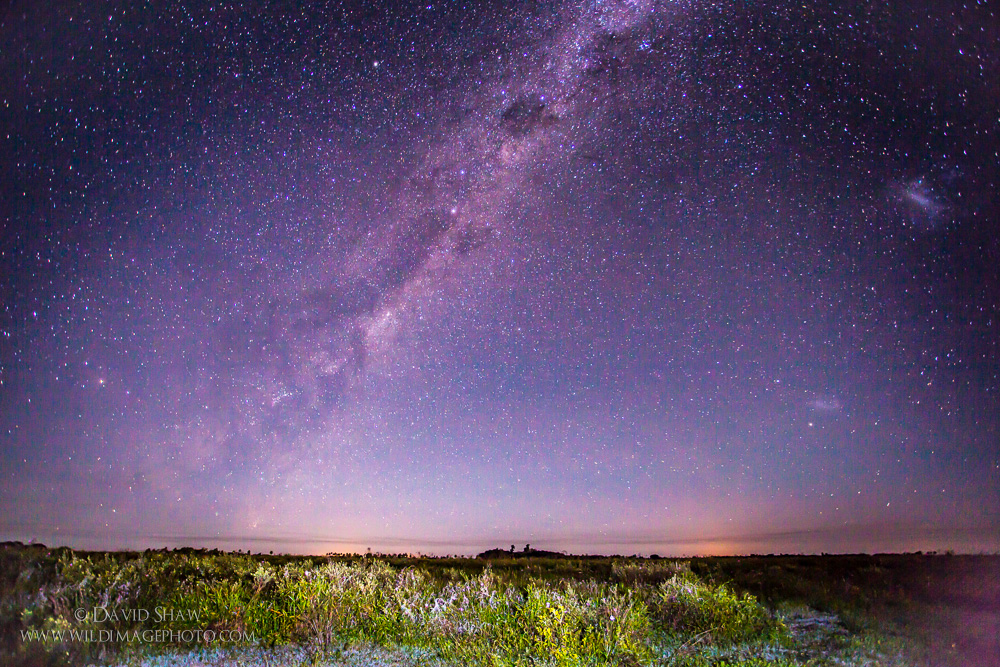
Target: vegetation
x,y
932,609
65,607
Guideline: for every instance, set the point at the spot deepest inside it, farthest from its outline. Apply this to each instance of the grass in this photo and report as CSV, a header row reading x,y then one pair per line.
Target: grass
x,y
932,609
525,611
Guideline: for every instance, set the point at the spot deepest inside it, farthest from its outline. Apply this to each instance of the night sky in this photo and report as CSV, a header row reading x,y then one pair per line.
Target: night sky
x,y
617,276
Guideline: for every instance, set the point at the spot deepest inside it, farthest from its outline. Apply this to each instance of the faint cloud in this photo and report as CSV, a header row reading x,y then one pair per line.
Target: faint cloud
x,y
922,203
826,404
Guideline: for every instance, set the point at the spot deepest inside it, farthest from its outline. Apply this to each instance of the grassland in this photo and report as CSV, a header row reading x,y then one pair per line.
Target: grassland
x,y
186,607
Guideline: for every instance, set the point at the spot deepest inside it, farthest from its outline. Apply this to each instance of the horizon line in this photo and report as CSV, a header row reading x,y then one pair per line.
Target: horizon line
x,y
984,539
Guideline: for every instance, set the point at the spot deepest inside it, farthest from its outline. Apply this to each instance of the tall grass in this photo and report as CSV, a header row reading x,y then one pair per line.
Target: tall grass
x,y
469,616
688,605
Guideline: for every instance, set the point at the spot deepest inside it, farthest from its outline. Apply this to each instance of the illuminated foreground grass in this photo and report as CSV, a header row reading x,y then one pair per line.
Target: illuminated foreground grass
x,y
642,613
278,611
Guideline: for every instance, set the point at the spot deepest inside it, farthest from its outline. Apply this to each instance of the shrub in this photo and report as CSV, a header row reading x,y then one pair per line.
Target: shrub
x,y
684,604
637,572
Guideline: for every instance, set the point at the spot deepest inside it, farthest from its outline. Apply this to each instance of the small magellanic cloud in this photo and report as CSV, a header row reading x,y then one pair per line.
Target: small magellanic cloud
x,y
826,404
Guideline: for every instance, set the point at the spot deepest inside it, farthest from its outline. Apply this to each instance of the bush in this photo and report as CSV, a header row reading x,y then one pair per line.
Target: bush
x,y
684,604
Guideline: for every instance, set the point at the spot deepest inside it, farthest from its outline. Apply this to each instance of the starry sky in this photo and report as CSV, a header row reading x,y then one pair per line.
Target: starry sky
x,y
611,276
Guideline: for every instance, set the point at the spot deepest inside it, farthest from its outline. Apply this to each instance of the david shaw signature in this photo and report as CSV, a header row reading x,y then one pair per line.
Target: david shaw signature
x,y
135,615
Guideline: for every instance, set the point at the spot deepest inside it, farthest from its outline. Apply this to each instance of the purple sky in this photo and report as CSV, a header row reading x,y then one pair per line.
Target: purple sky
x,y
620,276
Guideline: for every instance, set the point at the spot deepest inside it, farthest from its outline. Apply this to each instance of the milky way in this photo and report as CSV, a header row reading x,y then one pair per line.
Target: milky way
x,y
625,275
